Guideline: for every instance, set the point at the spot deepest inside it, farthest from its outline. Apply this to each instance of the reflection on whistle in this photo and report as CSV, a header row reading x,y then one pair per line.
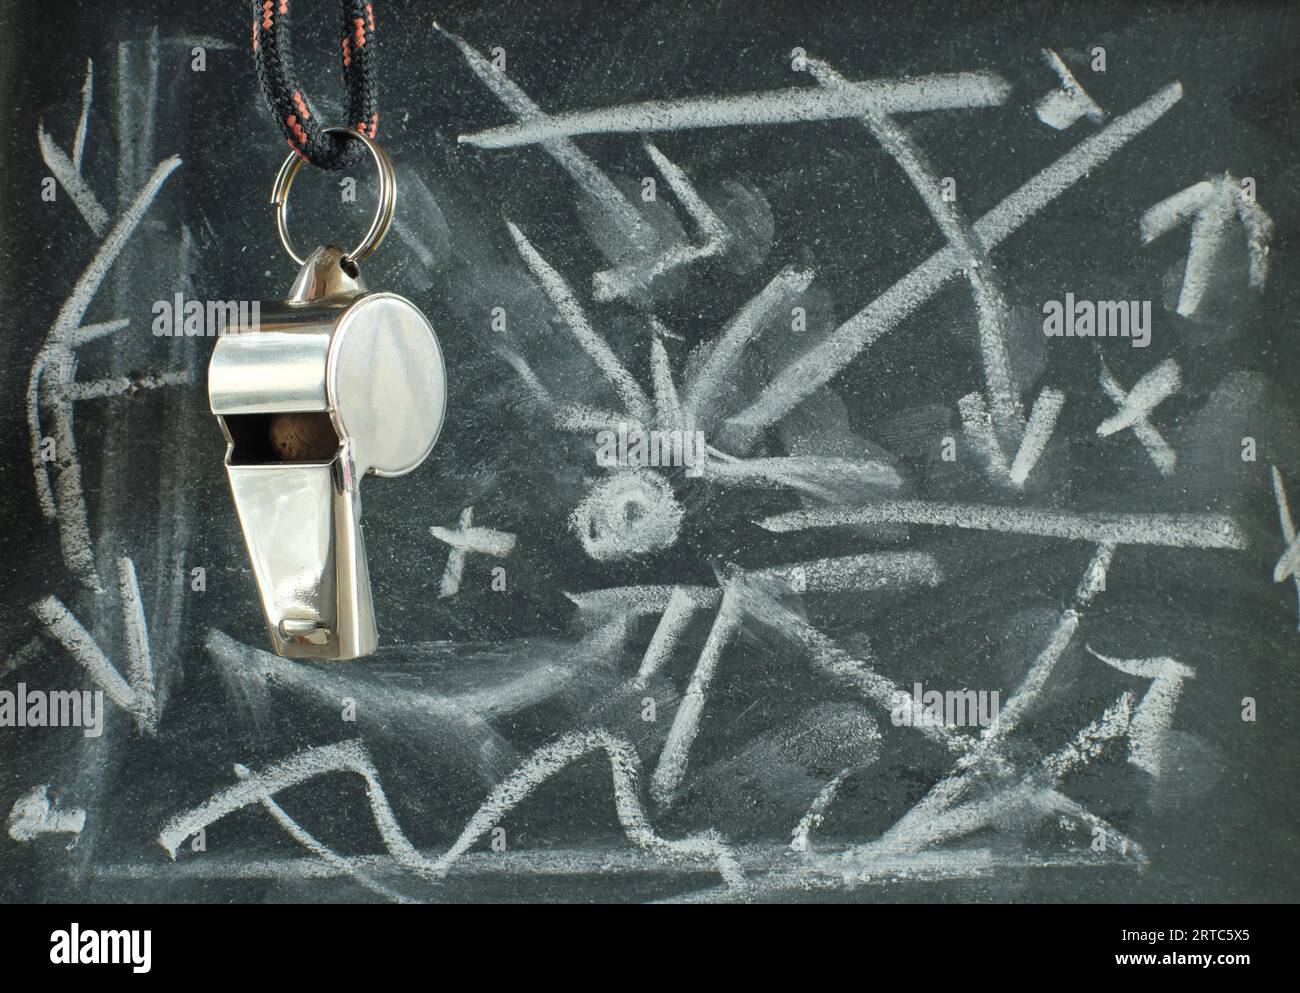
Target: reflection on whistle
x,y
335,383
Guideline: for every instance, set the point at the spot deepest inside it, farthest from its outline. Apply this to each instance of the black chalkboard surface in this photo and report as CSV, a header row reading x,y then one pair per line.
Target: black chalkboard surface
x,y
866,471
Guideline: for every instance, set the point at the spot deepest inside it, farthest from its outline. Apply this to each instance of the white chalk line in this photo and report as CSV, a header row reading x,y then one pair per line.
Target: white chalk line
x,y
1290,559
812,820
1062,107
856,675
641,272
69,176
135,693
639,601
823,362
1042,419
87,333
1170,530
302,836
578,418
594,345
83,121
844,573
765,867
139,657
677,616
1151,723
589,178
673,758
351,756
950,91
718,369
67,630
742,596
1211,205
916,823
67,505
668,406
1092,740
990,304
820,476
115,386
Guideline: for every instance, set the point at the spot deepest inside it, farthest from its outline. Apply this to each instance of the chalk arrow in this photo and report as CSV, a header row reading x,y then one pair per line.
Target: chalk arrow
x,y
1028,438
1062,107
1211,206
33,815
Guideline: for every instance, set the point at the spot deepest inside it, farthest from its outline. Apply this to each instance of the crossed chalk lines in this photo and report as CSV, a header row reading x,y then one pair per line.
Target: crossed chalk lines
x,y
693,405
136,692
948,812
997,423
637,263
996,419
52,389
464,540
822,362
544,764
1135,407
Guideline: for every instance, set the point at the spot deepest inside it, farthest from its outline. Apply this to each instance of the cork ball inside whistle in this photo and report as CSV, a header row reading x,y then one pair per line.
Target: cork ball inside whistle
x,y
303,437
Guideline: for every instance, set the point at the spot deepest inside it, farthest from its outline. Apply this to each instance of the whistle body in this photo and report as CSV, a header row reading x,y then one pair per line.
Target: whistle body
x,y
363,369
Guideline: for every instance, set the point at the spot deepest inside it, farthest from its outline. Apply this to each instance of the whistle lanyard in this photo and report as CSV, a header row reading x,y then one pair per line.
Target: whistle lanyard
x,y
324,148
350,386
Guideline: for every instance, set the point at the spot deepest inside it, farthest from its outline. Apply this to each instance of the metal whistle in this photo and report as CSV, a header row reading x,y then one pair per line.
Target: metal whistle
x,y
333,383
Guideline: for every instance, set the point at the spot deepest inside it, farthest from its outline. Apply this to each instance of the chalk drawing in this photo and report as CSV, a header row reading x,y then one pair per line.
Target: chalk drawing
x,y
34,815
1212,206
995,780
466,539
1063,106
1286,565
1135,407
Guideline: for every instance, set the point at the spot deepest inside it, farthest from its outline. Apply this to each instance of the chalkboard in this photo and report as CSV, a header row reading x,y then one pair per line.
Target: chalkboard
x,y
961,337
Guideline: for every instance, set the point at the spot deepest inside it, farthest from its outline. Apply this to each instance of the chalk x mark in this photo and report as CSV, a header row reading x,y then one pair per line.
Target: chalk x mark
x,y
1135,408
464,540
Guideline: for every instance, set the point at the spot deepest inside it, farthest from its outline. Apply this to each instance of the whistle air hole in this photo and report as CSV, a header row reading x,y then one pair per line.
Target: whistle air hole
x,y
261,439
349,267
303,437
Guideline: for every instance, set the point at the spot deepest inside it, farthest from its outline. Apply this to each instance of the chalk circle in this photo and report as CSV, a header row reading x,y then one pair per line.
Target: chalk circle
x,y
631,513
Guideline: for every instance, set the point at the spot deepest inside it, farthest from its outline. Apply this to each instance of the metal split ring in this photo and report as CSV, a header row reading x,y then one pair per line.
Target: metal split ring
x,y
383,209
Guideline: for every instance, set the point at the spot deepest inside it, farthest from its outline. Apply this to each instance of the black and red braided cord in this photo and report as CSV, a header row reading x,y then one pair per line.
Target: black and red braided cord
x,y
285,96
